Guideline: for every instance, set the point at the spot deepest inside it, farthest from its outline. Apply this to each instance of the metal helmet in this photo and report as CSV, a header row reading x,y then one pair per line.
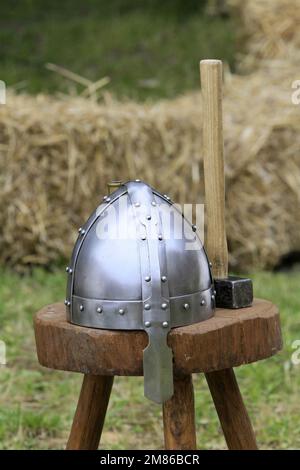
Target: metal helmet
x,y
138,264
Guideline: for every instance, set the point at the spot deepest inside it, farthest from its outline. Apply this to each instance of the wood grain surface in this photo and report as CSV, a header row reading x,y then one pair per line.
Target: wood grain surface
x,y
229,339
179,416
234,419
213,160
90,413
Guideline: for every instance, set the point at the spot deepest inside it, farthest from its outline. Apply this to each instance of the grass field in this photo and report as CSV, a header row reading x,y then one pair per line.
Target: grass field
x,y
148,49
36,404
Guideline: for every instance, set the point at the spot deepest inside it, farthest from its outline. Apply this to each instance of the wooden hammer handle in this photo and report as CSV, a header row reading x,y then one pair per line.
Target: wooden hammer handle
x,y
228,401
216,243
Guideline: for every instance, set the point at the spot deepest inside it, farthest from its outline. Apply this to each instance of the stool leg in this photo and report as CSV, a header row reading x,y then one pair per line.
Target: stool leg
x,y
231,410
90,413
179,416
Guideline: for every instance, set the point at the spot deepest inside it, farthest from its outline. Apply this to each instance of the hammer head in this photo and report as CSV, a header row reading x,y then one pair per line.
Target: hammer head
x,y
233,292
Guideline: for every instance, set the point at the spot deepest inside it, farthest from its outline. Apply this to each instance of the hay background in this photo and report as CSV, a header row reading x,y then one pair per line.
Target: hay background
x,y
56,155
270,29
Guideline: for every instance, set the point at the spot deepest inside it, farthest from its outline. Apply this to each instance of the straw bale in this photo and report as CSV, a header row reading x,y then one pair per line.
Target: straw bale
x,y
270,28
56,155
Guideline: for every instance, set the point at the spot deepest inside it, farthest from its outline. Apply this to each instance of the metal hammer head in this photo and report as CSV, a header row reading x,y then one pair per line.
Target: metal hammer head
x,y
233,292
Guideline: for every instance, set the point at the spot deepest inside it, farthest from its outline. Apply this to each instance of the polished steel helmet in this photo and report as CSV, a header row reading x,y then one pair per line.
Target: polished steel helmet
x,y
138,264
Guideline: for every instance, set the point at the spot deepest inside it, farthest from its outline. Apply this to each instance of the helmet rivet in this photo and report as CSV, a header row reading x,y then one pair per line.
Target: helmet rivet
x,y
213,297
137,181
143,237
147,306
67,269
68,303
108,199
164,306
79,230
168,198
82,232
148,217
81,308
99,310
70,270
137,204
164,278
104,198
147,324
202,302
148,278
160,237
210,264
121,311
194,227
165,324
186,306
153,203
215,292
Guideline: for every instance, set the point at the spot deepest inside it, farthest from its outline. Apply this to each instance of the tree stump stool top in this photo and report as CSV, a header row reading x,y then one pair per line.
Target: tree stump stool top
x,y
229,339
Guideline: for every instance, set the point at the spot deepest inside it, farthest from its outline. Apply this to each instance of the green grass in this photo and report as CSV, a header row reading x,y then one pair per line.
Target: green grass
x,y
148,49
36,404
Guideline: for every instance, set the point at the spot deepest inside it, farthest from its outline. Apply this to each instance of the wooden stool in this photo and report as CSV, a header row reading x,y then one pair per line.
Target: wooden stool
x,y
231,338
